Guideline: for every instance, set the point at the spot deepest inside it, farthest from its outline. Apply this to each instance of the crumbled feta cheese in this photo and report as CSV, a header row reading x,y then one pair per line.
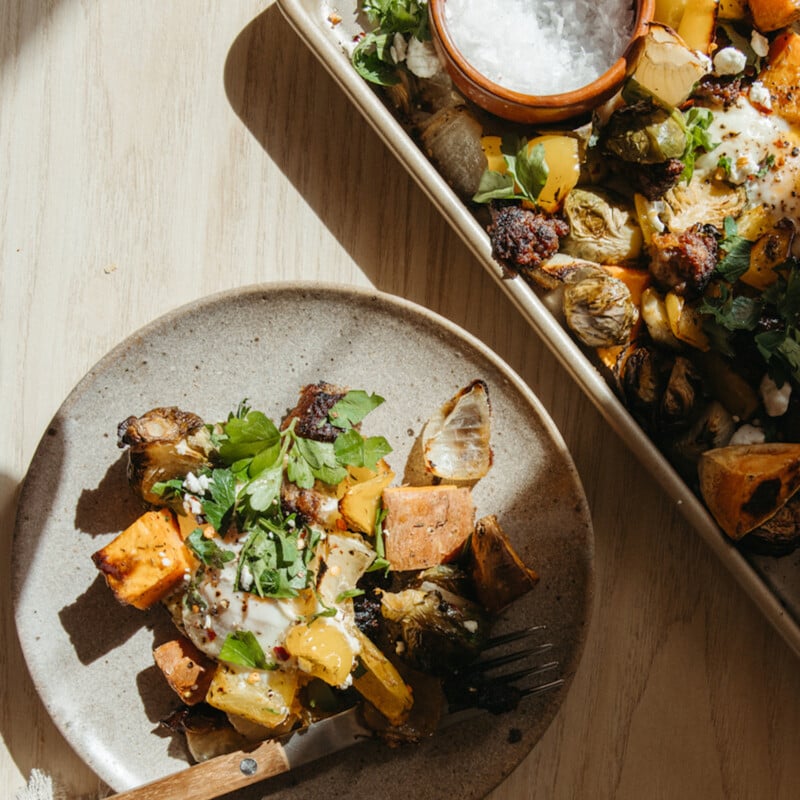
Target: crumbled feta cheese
x,y
743,167
776,399
748,434
760,44
398,48
760,96
471,625
245,578
192,505
729,61
421,58
192,484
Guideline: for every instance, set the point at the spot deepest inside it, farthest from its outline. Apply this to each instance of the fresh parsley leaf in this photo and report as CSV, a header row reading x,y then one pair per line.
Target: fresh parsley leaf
x,y
494,186
348,593
732,312
219,507
321,459
725,164
249,436
352,449
380,563
525,176
207,550
352,408
168,489
531,170
735,260
265,488
373,61
698,139
242,648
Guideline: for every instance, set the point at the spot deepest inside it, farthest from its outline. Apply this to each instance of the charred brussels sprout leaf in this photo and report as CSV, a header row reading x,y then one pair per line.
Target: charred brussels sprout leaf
x,y
645,133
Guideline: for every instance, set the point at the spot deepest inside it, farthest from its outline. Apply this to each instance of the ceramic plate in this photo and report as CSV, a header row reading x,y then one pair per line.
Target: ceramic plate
x,y
90,657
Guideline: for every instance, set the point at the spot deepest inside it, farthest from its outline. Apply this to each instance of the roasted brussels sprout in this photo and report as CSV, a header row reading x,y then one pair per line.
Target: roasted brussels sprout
x,y
602,227
645,133
713,428
599,310
435,629
681,394
163,444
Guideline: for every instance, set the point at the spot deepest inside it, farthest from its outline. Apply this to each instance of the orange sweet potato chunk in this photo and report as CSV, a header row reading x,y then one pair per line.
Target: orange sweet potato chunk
x,y
188,670
770,15
426,525
781,75
146,561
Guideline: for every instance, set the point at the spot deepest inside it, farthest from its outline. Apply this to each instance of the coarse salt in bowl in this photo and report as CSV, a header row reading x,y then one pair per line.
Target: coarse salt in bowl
x,y
537,60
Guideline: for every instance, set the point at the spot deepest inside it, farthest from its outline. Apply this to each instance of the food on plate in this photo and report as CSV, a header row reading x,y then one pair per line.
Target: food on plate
x,y
300,580
663,230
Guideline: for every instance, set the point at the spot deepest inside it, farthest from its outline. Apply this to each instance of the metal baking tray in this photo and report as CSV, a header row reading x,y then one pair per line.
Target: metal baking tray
x,y
328,30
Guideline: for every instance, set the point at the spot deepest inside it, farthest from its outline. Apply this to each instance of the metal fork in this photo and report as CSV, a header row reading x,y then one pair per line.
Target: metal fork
x,y
484,686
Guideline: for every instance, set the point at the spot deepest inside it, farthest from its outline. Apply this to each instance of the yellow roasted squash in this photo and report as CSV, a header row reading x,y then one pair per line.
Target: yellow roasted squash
x,y
745,485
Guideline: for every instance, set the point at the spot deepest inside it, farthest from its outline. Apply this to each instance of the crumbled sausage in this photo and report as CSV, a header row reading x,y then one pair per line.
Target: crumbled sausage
x,y
523,238
655,180
684,262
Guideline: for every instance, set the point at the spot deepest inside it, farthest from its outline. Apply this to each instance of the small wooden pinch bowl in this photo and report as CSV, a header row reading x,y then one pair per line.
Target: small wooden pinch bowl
x,y
528,108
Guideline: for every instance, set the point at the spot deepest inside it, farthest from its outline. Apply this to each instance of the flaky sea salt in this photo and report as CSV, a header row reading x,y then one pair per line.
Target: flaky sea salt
x,y
540,46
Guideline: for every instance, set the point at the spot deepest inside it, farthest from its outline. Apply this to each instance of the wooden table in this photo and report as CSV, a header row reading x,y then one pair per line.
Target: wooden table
x,y
153,153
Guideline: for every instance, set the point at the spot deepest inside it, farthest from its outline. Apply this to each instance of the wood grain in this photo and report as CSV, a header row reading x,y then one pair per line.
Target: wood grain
x,y
153,153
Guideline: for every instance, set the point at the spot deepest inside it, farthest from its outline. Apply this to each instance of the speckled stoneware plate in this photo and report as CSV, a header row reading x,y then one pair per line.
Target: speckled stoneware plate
x,y
90,657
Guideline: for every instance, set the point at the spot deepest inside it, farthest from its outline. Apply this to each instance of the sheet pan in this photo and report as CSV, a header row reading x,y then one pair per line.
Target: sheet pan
x,y
772,583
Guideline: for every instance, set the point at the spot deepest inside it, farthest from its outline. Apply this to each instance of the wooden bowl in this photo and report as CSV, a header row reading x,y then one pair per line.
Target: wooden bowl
x,y
520,107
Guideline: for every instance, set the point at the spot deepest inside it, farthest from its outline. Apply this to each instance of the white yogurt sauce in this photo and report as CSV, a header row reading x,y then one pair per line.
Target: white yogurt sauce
x,y
540,47
748,138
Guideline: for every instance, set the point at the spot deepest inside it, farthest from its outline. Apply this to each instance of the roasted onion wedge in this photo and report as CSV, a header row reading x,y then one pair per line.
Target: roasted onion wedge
x,y
456,440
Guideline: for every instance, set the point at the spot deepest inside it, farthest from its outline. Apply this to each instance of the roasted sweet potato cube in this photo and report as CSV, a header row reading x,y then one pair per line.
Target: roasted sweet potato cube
x,y
770,15
426,525
781,75
146,561
499,573
188,670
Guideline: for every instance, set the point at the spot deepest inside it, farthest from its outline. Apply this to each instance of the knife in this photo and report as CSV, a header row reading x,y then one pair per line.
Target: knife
x,y
232,771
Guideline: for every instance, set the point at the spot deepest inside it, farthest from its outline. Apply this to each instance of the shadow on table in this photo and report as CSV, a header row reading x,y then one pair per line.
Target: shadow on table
x,y
285,97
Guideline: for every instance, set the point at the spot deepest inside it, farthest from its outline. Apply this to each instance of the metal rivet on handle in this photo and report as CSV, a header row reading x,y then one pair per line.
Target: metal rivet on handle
x,y
248,766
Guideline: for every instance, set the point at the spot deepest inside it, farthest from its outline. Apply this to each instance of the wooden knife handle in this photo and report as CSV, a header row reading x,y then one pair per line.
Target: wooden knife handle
x,y
215,777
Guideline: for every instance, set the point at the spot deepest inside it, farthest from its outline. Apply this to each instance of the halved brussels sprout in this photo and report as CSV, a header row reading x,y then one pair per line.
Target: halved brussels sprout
x,y
602,227
600,311
644,133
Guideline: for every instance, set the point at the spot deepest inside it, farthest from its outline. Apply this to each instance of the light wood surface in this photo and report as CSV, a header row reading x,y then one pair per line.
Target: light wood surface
x,y
154,152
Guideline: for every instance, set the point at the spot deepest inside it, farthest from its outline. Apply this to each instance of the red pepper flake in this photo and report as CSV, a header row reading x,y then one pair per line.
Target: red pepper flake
x,y
281,653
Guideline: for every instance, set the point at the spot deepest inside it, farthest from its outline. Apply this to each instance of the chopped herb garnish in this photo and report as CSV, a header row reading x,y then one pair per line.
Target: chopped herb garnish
x,y
735,249
242,648
207,550
273,561
698,139
765,166
374,57
525,176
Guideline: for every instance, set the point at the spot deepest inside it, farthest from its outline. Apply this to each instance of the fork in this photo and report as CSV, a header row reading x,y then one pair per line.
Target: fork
x,y
479,688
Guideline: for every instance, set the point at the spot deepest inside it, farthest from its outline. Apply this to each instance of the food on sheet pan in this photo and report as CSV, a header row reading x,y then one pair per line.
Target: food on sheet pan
x,y
663,229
